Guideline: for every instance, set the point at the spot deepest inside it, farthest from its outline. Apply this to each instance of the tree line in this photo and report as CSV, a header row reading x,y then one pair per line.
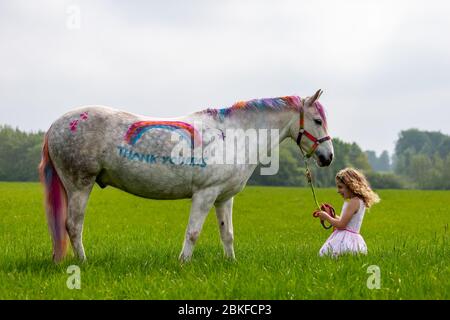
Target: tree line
x,y
292,168
421,160
20,154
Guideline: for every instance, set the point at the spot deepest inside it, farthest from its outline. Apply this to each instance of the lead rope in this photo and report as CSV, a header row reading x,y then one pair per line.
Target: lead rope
x,y
310,182
325,207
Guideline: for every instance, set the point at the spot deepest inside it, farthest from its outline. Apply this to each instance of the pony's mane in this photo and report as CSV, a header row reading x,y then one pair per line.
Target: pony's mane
x,y
275,104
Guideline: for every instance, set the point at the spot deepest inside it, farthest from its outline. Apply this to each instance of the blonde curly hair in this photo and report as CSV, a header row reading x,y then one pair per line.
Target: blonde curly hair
x,y
357,183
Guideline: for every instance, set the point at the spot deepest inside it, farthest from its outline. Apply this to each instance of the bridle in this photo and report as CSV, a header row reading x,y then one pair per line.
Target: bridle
x,y
316,142
302,131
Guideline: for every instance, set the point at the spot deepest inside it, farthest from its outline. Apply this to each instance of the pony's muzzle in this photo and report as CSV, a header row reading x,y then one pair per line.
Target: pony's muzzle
x,y
324,161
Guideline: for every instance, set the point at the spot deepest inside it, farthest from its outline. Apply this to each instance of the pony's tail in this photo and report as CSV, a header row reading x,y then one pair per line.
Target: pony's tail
x,y
55,203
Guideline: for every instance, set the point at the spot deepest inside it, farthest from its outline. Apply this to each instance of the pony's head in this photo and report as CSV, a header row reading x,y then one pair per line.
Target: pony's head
x,y
311,131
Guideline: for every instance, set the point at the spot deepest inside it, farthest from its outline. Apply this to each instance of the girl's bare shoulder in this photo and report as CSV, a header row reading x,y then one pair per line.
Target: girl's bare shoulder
x,y
354,204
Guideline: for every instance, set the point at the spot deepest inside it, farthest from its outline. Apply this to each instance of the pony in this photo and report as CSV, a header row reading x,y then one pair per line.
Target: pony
x,y
135,153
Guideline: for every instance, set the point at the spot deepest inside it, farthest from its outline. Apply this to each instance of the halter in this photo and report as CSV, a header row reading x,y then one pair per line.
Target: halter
x,y
302,131
326,207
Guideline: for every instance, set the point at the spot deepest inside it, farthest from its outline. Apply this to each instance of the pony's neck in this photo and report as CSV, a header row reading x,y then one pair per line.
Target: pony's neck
x,y
272,114
277,123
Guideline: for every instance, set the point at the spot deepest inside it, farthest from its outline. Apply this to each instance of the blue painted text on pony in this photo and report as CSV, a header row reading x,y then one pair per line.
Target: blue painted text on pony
x,y
152,159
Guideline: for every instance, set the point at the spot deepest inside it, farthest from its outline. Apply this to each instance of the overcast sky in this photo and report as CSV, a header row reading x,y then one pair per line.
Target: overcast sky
x,y
384,66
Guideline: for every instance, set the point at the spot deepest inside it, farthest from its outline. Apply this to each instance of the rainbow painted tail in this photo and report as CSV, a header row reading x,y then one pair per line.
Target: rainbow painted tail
x,y
55,203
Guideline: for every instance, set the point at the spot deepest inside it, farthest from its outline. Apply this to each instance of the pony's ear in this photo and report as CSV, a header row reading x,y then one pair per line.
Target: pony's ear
x,y
310,101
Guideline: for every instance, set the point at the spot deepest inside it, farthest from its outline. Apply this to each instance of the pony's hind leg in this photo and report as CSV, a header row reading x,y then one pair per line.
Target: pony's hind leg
x,y
77,201
224,219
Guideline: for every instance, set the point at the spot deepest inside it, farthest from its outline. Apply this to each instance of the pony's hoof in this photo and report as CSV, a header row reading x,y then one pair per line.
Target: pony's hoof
x,y
184,259
57,259
82,260
231,258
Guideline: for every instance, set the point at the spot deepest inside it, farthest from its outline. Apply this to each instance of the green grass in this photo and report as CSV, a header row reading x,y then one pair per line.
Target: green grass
x,y
132,245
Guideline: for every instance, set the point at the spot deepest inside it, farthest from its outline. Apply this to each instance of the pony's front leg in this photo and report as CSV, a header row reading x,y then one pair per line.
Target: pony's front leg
x,y
224,219
202,202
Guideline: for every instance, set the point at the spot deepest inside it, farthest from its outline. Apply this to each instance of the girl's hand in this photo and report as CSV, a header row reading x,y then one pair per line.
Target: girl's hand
x,y
323,215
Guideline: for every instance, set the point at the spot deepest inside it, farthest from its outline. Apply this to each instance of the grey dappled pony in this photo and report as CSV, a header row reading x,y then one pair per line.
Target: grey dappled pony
x,y
158,159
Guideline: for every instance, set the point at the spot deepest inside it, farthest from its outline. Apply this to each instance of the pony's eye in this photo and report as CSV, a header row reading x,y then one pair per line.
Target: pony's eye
x,y
318,122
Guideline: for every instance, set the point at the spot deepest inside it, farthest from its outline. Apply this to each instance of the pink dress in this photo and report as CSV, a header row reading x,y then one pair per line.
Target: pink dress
x,y
347,240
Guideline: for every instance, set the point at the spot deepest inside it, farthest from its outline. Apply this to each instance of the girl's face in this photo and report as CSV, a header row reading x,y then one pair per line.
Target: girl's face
x,y
343,190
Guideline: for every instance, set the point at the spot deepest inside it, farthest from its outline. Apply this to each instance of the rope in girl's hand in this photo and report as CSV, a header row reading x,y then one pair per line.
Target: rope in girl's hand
x,y
328,208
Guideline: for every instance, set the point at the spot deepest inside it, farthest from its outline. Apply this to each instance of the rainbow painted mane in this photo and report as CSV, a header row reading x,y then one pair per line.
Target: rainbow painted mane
x,y
280,103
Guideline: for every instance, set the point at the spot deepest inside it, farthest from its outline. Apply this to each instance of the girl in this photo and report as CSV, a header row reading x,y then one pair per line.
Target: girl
x,y
352,185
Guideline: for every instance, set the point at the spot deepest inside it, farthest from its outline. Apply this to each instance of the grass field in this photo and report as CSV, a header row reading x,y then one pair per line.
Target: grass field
x,y
132,245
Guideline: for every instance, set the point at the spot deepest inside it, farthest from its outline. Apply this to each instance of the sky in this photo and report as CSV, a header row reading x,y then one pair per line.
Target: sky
x,y
384,66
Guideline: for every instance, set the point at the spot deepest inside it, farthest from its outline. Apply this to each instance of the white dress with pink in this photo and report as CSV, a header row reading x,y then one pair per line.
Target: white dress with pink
x,y
347,240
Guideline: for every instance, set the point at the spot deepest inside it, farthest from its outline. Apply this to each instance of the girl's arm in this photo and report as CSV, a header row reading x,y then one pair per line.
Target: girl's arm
x,y
342,221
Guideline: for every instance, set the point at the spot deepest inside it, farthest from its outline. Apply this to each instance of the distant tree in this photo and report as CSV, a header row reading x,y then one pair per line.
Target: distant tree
x,y
381,163
421,158
420,170
444,148
292,169
388,180
19,154
384,162
445,173
414,140
373,159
